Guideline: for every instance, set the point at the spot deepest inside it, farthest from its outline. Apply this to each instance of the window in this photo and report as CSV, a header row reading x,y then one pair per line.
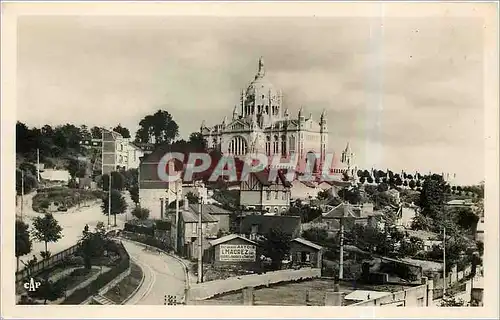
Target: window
x,y
263,96
195,228
268,196
276,195
238,146
283,145
268,146
283,195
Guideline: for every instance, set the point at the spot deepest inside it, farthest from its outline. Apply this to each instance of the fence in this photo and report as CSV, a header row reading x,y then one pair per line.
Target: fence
x,y
210,289
53,260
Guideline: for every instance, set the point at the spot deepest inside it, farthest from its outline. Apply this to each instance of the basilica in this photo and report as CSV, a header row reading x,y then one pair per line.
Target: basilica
x,y
262,124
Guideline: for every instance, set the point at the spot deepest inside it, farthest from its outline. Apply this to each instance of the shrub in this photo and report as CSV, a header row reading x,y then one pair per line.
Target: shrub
x,y
93,288
140,213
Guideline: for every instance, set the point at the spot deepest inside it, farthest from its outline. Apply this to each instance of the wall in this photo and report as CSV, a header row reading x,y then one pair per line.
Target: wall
x,y
210,289
251,198
115,281
150,199
301,191
224,221
411,297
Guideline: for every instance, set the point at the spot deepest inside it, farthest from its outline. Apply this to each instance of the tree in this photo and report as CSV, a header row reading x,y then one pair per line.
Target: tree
x,y
432,197
191,197
75,168
421,222
118,203
410,247
117,181
160,126
48,291
323,195
369,180
276,246
46,229
398,182
383,187
23,241
412,184
96,132
352,195
92,244
197,141
466,218
134,193
122,130
362,180
140,213
30,182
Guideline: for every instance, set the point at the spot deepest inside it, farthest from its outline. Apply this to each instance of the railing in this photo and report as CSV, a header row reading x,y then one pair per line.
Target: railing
x,y
45,264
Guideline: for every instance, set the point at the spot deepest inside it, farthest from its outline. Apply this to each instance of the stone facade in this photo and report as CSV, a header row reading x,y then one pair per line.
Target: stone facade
x,y
262,124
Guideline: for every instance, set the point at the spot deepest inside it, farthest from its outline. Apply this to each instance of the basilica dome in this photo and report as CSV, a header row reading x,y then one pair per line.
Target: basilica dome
x,y
261,90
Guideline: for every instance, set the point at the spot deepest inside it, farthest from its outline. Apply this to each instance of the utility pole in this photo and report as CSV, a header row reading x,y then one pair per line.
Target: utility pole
x,y
38,165
444,260
200,239
109,200
22,194
176,227
341,260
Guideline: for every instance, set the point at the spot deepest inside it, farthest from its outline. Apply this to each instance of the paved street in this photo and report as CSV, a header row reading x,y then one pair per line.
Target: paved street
x,y
164,275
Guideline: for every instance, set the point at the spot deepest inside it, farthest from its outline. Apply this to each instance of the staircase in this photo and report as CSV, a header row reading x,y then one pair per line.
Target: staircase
x,y
102,300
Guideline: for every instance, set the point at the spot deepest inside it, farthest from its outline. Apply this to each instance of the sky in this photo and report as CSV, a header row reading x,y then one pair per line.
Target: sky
x,y
407,93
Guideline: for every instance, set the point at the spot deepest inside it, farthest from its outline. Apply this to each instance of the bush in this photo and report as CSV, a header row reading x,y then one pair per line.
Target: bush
x,y
140,213
93,288
73,260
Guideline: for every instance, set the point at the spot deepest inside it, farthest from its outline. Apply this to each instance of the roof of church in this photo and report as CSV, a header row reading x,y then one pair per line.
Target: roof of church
x,y
264,179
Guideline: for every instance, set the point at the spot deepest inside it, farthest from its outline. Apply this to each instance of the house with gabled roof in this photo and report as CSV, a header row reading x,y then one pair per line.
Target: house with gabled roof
x,y
188,234
262,192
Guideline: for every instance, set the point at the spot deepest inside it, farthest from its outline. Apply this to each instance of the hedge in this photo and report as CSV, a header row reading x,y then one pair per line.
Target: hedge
x,y
93,288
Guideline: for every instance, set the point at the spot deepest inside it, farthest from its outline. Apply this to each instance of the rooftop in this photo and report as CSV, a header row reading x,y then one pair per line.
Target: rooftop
x,y
308,243
228,238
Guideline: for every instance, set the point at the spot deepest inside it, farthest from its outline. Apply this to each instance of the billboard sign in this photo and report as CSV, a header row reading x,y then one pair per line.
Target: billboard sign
x,y
237,253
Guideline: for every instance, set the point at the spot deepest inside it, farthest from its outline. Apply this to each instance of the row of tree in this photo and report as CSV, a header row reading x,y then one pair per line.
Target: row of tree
x,y
58,141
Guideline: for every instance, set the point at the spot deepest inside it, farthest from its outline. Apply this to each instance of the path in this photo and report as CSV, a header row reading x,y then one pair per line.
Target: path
x,y
163,275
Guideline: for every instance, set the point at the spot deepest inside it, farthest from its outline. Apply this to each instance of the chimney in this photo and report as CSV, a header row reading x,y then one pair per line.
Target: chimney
x,y
186,204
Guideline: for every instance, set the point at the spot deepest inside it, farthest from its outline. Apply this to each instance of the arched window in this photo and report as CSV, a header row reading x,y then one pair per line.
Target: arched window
x,y
276,145
312,161
283,145
267,109
291,144
238,146
268,145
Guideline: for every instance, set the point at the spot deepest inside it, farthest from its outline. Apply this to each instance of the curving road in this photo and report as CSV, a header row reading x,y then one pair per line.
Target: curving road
x,y
163,275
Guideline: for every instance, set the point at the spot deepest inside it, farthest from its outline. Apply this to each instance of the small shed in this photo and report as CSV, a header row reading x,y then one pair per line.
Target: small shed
x,y
306,253
234,250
